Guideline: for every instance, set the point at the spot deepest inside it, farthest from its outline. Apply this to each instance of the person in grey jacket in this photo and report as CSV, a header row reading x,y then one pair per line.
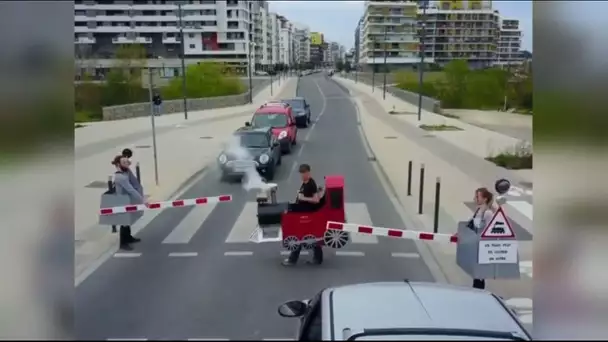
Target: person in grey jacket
x,y
124,186
482,217
127,153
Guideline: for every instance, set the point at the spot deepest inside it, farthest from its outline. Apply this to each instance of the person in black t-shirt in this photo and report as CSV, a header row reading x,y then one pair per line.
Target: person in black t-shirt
x,y
308,198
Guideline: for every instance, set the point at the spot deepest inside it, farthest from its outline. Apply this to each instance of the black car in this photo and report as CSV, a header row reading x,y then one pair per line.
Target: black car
x,y
301,111
264,154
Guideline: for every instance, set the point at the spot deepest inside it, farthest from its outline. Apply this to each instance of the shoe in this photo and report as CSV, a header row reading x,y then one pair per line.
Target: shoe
x,y
126,248
287,262
134,240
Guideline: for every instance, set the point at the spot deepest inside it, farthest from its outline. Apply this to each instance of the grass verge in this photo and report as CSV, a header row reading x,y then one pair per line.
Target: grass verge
x,y
436,128
518,158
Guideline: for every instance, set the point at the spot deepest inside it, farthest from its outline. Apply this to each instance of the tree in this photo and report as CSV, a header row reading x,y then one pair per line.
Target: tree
x,y
206,79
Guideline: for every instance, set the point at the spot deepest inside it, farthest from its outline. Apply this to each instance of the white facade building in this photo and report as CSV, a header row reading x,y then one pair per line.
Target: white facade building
x,y
389,26
302,36
509,43
286,29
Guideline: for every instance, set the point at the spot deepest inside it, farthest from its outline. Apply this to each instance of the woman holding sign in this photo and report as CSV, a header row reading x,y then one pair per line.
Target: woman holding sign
x,y
482,216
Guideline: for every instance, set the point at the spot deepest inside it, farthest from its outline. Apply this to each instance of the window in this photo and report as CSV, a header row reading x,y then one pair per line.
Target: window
x,y
269,120
191,35
255,140
192,46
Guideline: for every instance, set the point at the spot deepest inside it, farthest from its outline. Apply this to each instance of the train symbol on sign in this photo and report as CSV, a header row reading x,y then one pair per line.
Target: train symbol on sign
x,y
498,228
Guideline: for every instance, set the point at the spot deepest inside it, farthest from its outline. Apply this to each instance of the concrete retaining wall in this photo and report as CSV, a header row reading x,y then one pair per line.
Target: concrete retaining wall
x,y
177,106
428,103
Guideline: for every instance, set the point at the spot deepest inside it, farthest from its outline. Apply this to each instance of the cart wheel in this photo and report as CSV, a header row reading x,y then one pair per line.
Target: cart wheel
x,y
291,243
335,238
309,241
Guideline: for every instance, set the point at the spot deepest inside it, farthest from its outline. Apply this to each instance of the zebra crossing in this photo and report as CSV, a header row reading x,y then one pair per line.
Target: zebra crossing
x,y
193,224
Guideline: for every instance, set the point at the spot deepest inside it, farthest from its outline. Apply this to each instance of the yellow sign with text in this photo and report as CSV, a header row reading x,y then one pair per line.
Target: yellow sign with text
x,y
316,38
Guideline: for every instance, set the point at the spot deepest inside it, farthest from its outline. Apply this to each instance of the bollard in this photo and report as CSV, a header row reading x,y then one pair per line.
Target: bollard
x,y
421,193
409,178
437,195
138,172
111,189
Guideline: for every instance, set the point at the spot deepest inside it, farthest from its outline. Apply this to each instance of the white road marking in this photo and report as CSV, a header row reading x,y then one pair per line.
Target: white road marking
x,y
524,208
238,253
406,255
127,255
350,253
188,226
286,253
525,267
359,214
183,254
244,224
138,226
310,130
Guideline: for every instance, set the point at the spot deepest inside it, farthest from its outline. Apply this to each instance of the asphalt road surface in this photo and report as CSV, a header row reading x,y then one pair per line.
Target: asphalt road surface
x,y
223,287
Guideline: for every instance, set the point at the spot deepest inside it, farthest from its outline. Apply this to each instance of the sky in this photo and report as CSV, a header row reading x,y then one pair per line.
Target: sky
x,y
337,20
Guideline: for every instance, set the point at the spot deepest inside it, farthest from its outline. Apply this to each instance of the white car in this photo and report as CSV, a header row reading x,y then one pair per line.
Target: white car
x,y
404,311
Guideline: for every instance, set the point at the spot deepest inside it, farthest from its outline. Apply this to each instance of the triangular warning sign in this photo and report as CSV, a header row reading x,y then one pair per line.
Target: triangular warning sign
x,y
499,227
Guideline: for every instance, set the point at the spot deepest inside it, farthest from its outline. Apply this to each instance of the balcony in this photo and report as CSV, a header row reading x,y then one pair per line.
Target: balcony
x,y
85,40
135,40
171,40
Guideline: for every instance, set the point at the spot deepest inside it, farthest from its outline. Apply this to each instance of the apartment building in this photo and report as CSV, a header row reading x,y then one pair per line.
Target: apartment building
x,y
389,29
358,41
509,43
302,36
286,36
275,24
461,30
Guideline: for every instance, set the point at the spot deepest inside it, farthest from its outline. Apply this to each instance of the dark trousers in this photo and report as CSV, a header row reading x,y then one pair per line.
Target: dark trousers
x,y
479,284
317,254
125,236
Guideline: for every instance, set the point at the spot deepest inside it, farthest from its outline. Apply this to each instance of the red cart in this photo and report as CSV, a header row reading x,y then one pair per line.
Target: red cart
x,y
284,222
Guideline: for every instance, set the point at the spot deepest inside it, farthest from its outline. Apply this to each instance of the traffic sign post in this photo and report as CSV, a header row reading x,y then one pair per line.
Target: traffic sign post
x,y
491,254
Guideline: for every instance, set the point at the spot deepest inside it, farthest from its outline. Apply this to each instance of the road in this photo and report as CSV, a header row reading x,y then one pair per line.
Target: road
x,y
224,287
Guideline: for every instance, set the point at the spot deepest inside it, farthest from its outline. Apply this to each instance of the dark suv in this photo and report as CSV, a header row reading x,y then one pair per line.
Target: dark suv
x,y
264,154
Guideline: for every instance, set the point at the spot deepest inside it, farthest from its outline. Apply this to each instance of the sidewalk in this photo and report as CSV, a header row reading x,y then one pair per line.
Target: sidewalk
x,y
392,150
176,164
479,141
95,132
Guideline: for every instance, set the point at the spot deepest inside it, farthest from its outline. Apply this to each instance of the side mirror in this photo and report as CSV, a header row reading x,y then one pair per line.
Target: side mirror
x,y
292,124
294,308
502,186
275,144
248,124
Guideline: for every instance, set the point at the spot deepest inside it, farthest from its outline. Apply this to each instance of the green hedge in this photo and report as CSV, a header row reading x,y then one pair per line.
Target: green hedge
x,y
204,80
460,87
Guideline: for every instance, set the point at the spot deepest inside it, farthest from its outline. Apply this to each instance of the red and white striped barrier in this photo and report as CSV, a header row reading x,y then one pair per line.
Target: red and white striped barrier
x,y
164,205
394,233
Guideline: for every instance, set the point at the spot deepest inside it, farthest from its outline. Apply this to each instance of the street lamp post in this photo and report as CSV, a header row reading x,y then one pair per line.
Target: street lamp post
x,y
249,69
183,46
373,63
271,71
421,67
385,68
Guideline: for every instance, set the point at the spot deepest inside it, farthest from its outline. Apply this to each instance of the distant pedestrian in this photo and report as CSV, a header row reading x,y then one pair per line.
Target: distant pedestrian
x,y
157,101
481,218
125,187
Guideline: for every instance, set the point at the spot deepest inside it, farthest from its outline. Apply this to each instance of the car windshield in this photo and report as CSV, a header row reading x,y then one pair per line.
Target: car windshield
x,y
295,104
269,120
254,140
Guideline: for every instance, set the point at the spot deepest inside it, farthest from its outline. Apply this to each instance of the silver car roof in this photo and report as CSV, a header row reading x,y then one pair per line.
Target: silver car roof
x,y
389,305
